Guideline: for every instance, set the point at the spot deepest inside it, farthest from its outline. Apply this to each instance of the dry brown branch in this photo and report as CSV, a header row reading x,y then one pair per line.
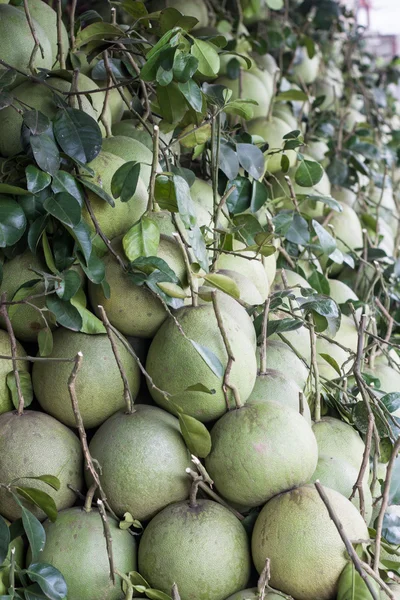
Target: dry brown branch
x,y
37,44
60,49
107,535
13,342
315,370
364,465
152,183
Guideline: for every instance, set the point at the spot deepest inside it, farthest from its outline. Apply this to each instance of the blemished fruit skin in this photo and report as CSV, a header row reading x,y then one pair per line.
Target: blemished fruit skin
x,y
17,43
75,545
6,367
251,461
133,309
143,459
35,444
338,439
204,550
174,364
113,221
130,149
281,358
99,386
26,320
295,531
274,386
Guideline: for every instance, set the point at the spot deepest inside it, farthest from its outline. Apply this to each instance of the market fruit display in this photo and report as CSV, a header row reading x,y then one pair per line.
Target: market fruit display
x,y
199,302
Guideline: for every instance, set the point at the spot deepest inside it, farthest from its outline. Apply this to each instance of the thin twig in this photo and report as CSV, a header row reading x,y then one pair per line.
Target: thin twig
x,y
74,88
60,49
301,403
263,349
287,257
143,87
206,489
13,342
154,165
379,581
107,535
192,280
364,465
388,317
264,579
37,44
175,592
315,370
292,193
349,547
72,23
127,391
102,118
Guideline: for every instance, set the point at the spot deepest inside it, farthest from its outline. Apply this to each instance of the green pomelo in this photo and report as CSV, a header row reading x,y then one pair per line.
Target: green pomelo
x,y
330,86
251,460
361,286
272,131
340,292
347,336
75,545
344,195
243,262
305,69
353,118
130,150
294,280
143,459
201,193
6,367
113,221
265,77
389,379
248,291
348,233
133,309
18,545
99,386
17,43
252,88
47,19
191,8
294,530
384,199
204,550
252,594
299,339
175,365
274,386
339,475
131,128
338,439
266,62
317,150
35,444
281,358
26,320
283,112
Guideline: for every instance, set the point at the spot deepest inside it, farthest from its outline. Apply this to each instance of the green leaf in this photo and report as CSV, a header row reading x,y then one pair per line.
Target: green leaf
x,y
45,341
69,285
78,134
65,208
51,480
40,499
172,103
185,66
211,360
192,94
36,231
24,291
12,222
391,401
97,31
223,283
48,254
243,108
90,323
282,325
65,182
320,283
172,289
34,592
332,362
156,595
196,435
292,96
192,137
26,387
83,236
34,530
142,239
36,121
49,578
96,189
4,540
45,153
208,58
310,46
337,171
251,159
275,4
184,201
328,243
164,77
352,587
125,180
308,173
66,314
259,196
36,179
6,188
240,199
128,522
94,269
170,17
199,247
228,161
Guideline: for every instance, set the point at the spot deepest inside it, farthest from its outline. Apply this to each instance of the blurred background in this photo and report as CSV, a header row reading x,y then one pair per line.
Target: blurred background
x,y
381,19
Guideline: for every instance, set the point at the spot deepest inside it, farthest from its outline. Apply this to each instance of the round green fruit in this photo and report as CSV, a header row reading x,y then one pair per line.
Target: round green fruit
x,y
294,530
130,149
143,461
348,232
253,442
344,195
34,444
317,149
248,291
281,358
299,339
305,69
191,8
252,594
175,364
273,130
75,545
6,368
252,87
338,439
133,309
347,336
204,550
99,386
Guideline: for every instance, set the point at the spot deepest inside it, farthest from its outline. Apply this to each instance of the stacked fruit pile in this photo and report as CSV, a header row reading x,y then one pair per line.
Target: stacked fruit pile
x,y
199,367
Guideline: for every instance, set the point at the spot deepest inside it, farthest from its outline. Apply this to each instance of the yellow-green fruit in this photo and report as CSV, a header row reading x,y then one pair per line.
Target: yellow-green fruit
x,y
273,130
340,475
389,378
47,19
348,232
133,309
18,546
299,339
253,442
353,118
174,363
99,386
294,280
317,149
284,112
330,86
344,195
35,444
113,221
131,128
305,69
75,545
281,358
252,88
190,8
248,291
274,386
347,336
130,149
204,550
202,195
246,265
17,43
252,594
26,320
143,459
6,367
294,530
338,439
341,292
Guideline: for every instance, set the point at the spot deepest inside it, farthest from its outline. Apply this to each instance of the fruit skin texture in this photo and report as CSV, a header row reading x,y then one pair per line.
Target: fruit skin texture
x,y
17,43
5,368
99,386
133,309
113,221
251,460
174,364
130,149
204,550
143,459
35,444
76,546
295,532
281,358
338,439
274,386
252,87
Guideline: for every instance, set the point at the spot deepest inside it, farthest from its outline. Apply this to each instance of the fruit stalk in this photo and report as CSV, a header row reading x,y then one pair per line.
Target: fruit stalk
x,y
13,342
127,392
313,341
206,489
72,23
107,535
215,147
60,49
37,45
175,593
152,184
365,463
